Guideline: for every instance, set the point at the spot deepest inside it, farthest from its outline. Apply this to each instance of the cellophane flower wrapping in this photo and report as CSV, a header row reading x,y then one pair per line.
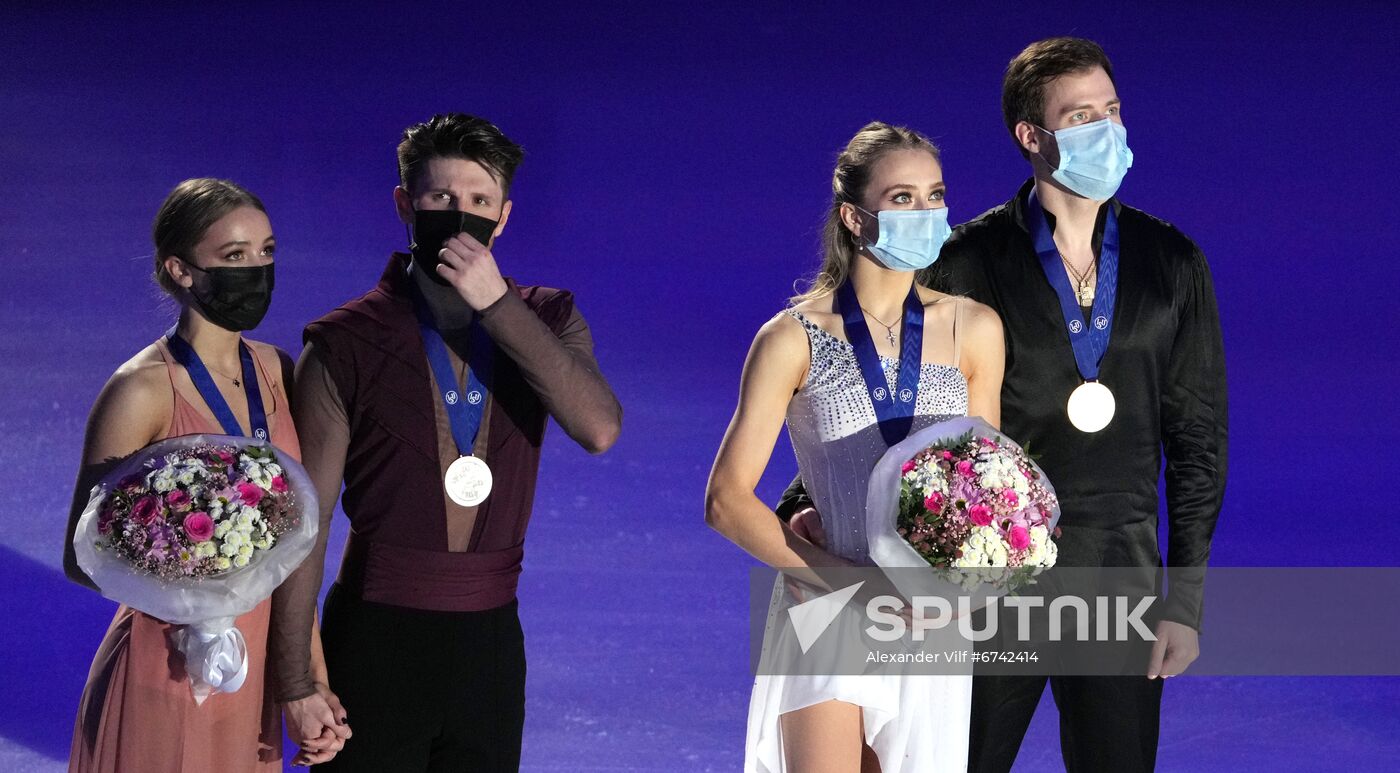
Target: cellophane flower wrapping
x,y
966,500
195,531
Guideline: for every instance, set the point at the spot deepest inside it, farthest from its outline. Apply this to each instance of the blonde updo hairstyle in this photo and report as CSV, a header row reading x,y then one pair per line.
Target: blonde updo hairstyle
x,y
854,166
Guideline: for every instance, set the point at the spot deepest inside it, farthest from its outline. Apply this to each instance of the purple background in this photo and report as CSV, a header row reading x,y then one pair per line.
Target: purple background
x,y
678,167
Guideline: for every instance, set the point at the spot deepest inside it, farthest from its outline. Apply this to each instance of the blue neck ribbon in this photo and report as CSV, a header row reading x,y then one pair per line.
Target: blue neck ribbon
x,y
893,410
1088,338
464,413
190,361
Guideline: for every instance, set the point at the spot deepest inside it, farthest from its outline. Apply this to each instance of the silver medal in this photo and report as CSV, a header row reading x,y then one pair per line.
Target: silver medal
x,y
1091,407
468,481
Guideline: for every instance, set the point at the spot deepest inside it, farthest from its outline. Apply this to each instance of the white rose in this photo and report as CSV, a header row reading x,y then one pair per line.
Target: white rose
x,y
223,563
240,560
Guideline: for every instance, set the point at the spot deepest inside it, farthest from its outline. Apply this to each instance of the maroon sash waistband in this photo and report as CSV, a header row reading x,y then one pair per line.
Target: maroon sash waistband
x,y
430,579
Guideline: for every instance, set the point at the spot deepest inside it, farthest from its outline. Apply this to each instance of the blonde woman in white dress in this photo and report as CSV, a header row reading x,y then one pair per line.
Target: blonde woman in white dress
x,y
802,370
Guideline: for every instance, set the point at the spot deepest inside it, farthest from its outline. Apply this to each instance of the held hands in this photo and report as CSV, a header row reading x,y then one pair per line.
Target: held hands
x,y
1176,647
472,270
318,725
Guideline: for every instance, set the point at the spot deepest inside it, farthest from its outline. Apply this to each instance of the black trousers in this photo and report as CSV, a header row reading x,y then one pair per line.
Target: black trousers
x,y
1107,723
425,691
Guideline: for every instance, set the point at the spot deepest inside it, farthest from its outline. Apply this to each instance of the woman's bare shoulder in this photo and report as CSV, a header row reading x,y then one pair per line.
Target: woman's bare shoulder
x,y
142,383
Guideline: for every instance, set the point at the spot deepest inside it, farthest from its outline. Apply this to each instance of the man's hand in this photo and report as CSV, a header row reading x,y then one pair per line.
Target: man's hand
x,y
317,723
1177,646
472,270
807,524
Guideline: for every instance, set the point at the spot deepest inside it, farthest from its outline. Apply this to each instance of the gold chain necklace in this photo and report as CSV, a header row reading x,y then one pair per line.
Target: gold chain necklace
x,y
1083,290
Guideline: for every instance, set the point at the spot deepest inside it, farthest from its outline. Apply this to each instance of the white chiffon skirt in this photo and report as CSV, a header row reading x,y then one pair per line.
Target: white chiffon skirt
x,y
914,722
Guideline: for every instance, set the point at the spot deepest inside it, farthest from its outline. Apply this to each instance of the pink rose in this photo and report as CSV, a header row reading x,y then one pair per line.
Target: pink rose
x,y
199,526
934,502
980,515
1019,537
178,500
250,494
909,465
965,467
223,456
146,511
948,455
279,484
1009,497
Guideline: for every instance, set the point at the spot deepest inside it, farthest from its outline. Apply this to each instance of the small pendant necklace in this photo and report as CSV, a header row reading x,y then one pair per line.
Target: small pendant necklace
x,y
889,329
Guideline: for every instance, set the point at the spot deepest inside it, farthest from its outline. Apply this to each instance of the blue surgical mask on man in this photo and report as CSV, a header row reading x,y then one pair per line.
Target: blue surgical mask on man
x,y
1094,157
910,239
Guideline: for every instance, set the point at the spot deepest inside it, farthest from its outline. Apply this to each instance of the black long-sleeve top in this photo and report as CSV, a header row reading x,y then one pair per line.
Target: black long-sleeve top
x,y
1165,365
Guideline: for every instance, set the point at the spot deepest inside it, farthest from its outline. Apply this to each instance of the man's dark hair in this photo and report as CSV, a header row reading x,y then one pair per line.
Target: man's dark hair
x,y
1027,76
458,135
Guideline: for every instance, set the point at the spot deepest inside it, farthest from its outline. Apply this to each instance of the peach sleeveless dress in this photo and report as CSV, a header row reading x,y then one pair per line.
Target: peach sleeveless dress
x,y
138,714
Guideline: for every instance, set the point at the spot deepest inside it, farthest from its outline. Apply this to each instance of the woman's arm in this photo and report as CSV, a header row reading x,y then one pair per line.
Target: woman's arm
x,y
130,413
983,360
776,365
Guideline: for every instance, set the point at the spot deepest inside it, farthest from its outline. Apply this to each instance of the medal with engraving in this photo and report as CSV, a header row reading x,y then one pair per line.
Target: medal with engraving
x,y
468,479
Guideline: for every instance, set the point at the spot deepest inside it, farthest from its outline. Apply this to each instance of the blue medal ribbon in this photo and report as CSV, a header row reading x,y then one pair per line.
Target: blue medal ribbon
x,y
1088,338
464,412
190,361
894,411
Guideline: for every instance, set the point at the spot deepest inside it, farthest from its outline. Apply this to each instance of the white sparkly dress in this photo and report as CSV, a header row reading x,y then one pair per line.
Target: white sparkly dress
x,y
914,722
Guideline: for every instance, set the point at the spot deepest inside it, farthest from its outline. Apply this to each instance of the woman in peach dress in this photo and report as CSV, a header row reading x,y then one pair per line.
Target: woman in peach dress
x,y
214,256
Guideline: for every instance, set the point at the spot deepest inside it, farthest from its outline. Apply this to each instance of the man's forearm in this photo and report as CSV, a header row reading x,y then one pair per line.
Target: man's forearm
x,y
565,377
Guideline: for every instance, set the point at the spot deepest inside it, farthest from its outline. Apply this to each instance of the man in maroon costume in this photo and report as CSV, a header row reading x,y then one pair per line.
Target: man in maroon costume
x,y
422,636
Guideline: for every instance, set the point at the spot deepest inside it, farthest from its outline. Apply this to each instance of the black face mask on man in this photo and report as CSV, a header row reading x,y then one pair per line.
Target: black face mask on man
x,y
433,227
233,298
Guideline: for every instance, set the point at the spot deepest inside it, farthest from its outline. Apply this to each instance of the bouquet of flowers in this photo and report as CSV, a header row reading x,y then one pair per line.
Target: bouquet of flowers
x,y
196,531
962,497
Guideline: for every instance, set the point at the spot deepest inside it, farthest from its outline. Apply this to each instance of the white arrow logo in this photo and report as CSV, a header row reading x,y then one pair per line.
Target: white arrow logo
x,y
810,619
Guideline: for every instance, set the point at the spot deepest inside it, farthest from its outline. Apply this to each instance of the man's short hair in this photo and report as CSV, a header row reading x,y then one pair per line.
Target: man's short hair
x,y
458,135
1028,75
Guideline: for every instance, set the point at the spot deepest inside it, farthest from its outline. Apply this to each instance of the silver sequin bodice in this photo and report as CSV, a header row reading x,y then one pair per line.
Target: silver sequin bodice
x,y
836,438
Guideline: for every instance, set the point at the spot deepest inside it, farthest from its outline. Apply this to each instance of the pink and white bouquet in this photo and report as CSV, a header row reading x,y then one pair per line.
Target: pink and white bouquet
x,y
976,501
198,512
196,531
962,497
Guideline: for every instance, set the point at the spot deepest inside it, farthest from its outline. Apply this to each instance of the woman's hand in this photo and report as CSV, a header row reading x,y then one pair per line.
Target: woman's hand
x,y
318,724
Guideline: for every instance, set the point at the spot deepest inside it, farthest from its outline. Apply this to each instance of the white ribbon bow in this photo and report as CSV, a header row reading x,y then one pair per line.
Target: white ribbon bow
x,y
216,656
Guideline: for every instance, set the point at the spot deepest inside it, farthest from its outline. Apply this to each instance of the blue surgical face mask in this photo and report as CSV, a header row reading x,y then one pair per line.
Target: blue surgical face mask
x,y
909,238
1094,158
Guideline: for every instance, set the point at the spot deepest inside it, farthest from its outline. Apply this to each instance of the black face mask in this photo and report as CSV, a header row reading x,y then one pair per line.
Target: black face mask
x,y
433,227
233,298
